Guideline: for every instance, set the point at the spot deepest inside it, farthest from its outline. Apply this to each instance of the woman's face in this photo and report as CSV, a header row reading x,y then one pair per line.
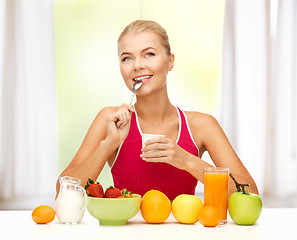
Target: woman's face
x,y
142,56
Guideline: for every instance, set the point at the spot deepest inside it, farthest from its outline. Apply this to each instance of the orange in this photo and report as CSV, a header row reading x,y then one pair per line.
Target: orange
x,y
155,207
209,216
43,214
185,208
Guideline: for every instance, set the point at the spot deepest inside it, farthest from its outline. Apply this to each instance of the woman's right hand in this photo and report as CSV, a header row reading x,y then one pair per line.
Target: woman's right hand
x,y
118,123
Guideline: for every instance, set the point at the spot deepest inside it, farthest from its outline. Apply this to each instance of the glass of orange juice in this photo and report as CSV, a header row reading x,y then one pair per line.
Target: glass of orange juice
x,y
216,189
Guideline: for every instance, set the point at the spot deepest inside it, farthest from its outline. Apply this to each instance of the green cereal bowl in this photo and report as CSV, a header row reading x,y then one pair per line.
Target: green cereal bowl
x,y
114,211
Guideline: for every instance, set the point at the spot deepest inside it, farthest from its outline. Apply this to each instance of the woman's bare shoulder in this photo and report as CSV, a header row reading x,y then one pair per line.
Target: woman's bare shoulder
x,y
101,117
200,120
203,127
106,111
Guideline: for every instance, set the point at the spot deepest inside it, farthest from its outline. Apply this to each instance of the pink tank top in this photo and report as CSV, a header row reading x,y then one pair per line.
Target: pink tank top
x,y
138,176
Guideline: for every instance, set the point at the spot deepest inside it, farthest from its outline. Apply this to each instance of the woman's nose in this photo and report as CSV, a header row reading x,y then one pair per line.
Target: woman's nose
x,y
138,64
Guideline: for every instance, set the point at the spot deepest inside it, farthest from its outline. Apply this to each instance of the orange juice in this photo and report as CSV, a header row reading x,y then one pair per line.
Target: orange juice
x,y
216,189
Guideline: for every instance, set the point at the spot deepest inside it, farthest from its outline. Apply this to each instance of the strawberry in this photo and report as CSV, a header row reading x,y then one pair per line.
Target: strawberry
x,y
126,193
113,192
94,189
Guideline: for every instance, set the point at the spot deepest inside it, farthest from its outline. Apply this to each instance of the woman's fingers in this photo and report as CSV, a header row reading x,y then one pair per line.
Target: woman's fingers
x,y
164,150
123,115
157,143
154,146
158,150
157,153
154,149
128,106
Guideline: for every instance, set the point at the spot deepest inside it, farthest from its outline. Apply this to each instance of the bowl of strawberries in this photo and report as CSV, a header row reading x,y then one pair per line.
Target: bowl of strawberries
x,y
112,206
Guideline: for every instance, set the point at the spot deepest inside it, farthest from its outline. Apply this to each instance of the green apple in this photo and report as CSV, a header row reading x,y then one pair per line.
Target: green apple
x,y
244,207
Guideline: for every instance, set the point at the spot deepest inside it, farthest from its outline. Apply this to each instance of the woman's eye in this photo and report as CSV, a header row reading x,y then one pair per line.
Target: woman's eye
x,y
126,59
150,54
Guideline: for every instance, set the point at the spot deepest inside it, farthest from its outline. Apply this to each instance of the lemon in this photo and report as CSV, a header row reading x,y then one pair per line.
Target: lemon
x,y
185,208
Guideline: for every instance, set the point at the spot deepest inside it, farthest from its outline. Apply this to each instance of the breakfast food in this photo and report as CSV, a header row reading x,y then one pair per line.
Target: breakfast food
x,y
244,207
185,208
43,214
155,206
95,189
126,193
112,192
209,216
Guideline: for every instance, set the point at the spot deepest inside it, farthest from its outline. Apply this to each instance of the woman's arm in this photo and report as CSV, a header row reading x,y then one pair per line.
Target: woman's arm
x,y
106,133
213,138
208,136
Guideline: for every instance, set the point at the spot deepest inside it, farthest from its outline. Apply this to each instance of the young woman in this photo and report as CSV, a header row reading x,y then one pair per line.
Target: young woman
x,y
115,134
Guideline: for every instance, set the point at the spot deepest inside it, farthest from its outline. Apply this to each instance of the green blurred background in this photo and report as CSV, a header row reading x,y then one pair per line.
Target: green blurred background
x,y
87,68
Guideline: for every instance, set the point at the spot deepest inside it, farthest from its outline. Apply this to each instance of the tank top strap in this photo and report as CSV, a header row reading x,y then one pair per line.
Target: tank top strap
x,y
185,133
134,131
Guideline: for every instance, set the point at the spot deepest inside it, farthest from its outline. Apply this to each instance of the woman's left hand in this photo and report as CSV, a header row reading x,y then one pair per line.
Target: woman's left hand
x,y
162,149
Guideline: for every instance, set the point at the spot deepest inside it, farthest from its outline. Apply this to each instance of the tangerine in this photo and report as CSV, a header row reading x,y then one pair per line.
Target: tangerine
x,y
43,214
155,206
209,216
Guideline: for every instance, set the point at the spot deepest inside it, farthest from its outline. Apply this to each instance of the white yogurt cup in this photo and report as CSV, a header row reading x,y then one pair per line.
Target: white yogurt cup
x,y
146,137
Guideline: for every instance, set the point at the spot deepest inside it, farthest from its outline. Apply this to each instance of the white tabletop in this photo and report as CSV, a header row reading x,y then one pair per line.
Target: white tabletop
x,y
274,223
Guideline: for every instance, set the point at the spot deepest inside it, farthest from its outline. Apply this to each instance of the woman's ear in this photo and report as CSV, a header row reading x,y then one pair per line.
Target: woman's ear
x,y
171,62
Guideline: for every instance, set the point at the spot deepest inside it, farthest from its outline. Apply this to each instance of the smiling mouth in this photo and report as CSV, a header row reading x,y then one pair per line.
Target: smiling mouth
x,y
140,79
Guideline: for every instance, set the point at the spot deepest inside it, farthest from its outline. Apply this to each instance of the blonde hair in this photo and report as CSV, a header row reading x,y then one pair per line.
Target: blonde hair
x,y
139,26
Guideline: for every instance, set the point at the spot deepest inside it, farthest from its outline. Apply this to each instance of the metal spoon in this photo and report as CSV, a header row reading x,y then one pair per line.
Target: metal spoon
x,y
135,86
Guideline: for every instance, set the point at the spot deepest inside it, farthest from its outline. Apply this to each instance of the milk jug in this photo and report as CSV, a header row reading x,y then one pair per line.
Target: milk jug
x,y
71,202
